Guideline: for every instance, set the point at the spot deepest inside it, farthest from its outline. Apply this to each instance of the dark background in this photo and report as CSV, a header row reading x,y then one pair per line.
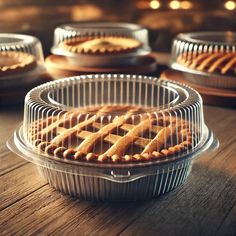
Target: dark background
x,y
40,17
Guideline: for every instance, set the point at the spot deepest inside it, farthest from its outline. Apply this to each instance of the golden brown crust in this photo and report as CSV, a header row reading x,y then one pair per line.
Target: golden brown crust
x,y
172,136
102,45
217,62
12,62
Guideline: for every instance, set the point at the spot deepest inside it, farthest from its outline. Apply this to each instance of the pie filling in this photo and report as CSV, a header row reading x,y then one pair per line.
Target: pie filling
x,y
15,62
134,135
7,61
221,63
107,44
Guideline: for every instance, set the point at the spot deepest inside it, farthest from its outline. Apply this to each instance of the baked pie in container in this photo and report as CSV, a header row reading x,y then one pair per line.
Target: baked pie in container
x,y
222,63
12,62
21,66
206,58
101,45
113,137
123,138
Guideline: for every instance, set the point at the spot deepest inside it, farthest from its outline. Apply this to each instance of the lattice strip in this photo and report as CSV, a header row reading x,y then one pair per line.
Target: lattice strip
x,y
157,143
219,61
58,140
229,65
124,142
208,60
128,127
198,60
113,138
89,142
165,128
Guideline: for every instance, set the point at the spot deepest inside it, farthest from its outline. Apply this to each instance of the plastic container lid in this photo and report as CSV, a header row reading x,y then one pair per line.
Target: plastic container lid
x,y
21,43
100,29
133,120
206,58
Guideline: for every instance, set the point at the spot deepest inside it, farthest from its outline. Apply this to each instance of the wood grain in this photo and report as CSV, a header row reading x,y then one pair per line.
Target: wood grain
x,y
27,182
184,214
205,204
8,122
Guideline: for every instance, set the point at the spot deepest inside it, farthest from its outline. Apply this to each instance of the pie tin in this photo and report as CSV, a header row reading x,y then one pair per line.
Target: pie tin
x,y
204,42
101,29
113,181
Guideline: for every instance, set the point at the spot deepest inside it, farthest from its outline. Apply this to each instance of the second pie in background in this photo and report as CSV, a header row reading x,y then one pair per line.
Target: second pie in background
x,y
21,67
206,58
100,47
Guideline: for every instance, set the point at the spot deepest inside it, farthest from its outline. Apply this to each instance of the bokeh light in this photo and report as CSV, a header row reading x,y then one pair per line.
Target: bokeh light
x,y
230,5
186,5
175,4
154,4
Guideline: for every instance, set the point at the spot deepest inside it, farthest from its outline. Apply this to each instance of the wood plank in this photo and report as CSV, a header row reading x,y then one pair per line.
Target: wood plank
x,y
19,183
101,219
9,120
198,207
48,212
43,210
38,211
9,162
229,223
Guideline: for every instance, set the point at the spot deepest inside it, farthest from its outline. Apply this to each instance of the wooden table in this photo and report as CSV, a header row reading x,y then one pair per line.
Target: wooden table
x,y
204,205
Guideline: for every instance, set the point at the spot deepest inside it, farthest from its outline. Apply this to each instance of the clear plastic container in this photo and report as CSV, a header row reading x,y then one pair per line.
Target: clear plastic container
x,y
100,30
103,154
206,58
16,49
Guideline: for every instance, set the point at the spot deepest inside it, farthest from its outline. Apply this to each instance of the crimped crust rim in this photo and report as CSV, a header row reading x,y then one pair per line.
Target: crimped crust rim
x,y
68,45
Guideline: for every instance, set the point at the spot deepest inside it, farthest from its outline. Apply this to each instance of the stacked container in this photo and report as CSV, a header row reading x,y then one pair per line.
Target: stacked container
x,y
69,103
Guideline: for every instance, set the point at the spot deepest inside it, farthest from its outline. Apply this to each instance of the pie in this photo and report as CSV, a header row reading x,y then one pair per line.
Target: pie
x,y
217,62
130,134
12,62
102,45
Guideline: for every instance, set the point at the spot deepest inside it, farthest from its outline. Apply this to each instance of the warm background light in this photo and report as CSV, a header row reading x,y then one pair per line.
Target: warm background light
x,y
230,5
154,4
186,5
175,4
